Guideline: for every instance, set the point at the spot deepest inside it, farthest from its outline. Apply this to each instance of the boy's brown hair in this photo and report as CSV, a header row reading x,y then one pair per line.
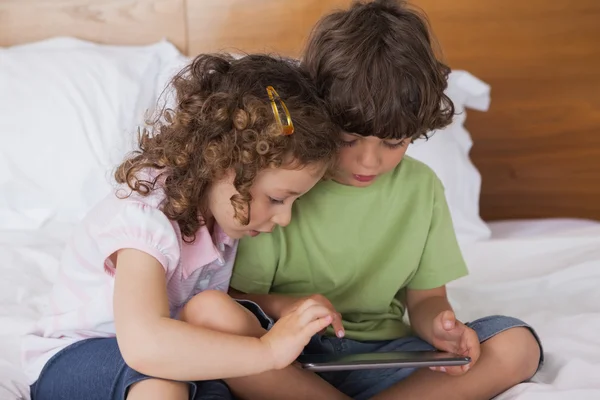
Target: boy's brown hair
x,y
375,66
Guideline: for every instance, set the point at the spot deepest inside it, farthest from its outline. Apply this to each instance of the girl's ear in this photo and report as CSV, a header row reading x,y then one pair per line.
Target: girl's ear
x,y
228,175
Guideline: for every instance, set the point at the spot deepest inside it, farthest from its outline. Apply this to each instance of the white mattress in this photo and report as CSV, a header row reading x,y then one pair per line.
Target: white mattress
x,y
545,272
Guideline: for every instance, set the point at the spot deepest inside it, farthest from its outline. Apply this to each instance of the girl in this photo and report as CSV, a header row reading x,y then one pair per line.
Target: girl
x,y
139,309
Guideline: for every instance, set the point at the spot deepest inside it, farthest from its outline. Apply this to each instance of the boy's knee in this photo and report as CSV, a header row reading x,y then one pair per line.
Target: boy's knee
x,y
216,310
517,351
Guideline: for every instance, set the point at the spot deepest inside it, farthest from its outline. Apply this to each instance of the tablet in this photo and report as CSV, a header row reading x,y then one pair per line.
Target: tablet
x,y
393,359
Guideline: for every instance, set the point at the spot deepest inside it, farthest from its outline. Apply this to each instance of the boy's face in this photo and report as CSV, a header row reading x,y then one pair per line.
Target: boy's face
x,y
363,159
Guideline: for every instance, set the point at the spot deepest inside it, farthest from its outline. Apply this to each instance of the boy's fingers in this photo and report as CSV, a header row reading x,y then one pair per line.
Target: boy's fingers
x,y
446,370
452,336
448,320
474,348
454,371
440,326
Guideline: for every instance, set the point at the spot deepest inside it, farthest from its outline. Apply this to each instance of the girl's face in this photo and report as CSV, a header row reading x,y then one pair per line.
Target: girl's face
x,y
273,193
363,159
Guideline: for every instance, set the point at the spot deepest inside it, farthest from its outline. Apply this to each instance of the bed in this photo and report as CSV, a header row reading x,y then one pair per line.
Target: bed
x,y
521,171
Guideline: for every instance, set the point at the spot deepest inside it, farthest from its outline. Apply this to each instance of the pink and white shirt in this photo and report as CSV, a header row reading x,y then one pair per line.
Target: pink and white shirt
x,y
81,303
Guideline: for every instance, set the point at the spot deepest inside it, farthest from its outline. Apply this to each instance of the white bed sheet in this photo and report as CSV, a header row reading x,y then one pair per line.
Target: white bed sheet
x,y
545,272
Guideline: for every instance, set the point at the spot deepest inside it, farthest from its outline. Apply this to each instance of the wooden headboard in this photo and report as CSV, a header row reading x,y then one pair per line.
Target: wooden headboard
x,y
537,148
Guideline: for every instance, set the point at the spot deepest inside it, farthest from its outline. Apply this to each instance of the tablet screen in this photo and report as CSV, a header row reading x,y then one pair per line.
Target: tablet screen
x,y
395,359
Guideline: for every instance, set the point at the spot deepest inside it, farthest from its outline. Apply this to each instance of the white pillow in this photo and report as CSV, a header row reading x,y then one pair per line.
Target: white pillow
x,y
69,111
447,153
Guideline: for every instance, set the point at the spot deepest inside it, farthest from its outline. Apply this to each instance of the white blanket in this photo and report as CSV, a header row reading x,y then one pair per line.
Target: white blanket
x,y
546,273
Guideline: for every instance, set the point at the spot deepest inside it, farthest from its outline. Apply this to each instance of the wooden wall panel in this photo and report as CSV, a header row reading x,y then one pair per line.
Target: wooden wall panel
x,y
254,26
129,22
538,147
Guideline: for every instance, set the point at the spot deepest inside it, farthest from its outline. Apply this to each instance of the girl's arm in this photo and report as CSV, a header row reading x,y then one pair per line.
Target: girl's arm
x,y
154,344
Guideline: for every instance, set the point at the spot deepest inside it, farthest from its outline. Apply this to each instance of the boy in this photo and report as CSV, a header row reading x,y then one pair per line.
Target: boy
x,y
377,241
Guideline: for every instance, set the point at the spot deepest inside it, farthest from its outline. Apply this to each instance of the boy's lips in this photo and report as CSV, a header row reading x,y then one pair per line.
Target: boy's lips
x,y
364,178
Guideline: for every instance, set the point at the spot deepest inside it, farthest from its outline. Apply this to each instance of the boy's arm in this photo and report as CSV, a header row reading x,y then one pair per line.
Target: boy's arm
x,y
433,320
431,315
423,307
277,306
254,271
441,262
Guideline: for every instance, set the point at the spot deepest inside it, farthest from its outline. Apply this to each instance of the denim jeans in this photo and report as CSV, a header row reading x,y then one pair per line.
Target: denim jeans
x,y
364,384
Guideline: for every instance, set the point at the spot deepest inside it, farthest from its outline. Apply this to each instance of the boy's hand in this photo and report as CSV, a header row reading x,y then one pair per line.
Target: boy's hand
x,y
292,332
453,336
336,323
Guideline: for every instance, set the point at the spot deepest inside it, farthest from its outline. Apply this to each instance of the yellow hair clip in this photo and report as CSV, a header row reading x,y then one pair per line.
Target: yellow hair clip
x,y
285,129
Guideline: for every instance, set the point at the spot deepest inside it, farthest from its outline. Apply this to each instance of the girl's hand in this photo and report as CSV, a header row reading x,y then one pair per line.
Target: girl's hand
x,y
453,336
292,332
336,322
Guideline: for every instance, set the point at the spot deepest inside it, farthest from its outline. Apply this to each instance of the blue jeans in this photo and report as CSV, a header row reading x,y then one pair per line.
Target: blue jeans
x,y
364,384
94,369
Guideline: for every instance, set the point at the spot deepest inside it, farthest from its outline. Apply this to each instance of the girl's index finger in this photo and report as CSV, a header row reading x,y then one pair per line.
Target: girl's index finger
x,y
337,325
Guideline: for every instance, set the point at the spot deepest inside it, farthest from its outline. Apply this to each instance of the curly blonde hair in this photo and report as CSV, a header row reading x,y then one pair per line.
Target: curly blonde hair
x,y
222,121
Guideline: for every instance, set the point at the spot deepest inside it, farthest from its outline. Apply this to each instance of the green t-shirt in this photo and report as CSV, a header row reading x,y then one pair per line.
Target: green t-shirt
x,y
359,247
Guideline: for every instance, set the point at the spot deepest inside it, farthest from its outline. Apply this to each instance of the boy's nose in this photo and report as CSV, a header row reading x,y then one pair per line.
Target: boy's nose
x,y
369,159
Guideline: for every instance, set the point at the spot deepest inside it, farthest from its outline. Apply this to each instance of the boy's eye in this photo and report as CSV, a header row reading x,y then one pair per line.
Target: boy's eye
x,y
349,143
275,201
394,145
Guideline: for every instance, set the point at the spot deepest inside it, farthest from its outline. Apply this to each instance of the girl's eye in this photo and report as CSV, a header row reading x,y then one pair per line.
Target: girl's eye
x,y
275,201
394,145
348,144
